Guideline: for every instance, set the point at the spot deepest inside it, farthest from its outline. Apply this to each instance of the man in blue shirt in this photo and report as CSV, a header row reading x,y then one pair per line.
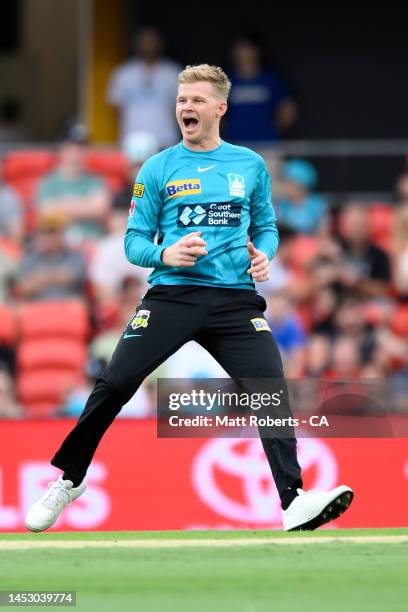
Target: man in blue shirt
x,y
260,108
201,198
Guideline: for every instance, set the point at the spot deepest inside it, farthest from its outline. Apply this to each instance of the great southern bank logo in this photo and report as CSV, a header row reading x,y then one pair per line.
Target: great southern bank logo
x,y
221,214
183,187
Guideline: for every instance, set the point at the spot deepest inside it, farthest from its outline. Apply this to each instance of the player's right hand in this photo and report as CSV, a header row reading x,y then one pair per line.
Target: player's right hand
x,y
185,251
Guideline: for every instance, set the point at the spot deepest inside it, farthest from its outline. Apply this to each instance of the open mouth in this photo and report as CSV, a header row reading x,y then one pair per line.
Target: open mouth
x,y
190,123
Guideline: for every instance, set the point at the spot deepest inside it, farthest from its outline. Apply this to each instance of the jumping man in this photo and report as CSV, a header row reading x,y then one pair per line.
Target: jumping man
x,y
202,198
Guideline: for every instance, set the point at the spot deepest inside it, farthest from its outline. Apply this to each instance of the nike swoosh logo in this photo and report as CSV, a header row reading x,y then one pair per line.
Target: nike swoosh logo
x,y
131,335
205,169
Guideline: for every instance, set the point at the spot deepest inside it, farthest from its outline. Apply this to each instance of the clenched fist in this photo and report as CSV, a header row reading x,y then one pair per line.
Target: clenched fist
x,y
185,251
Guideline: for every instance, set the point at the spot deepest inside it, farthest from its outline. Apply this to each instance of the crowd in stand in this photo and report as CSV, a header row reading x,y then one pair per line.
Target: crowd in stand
x,y
337,298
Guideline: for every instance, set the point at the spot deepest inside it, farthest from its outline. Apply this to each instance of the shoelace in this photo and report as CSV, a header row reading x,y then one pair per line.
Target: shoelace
x,y
57,490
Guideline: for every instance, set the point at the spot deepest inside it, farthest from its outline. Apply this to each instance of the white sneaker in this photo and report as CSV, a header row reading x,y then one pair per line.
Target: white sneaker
x,y
44,512
311,509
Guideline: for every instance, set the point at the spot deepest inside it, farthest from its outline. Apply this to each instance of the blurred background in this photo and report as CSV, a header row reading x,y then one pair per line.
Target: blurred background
x,y
88,91
87,95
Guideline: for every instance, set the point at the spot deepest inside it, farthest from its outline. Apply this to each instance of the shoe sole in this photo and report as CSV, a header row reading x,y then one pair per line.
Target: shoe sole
x,y
329,513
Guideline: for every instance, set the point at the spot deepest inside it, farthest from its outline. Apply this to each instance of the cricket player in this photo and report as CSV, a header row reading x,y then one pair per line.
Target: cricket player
x,y
202,199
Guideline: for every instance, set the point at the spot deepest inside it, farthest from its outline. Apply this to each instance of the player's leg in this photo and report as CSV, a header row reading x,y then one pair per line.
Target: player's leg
x,y
161,325
238,337
163,322
248,353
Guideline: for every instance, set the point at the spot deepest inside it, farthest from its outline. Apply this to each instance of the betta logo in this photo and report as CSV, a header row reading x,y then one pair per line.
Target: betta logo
x,y
176,189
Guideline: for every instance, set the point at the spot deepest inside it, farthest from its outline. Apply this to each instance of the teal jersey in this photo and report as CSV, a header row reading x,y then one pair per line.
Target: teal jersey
x,y
225,193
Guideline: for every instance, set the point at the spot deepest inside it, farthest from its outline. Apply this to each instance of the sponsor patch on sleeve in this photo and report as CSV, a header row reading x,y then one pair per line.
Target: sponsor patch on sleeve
x,y
138,190
260,324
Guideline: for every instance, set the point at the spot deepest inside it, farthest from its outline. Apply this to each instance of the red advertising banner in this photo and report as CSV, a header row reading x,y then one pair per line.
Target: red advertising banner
x,y
138,482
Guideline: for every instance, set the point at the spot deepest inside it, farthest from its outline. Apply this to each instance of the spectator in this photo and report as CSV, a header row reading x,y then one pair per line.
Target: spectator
x,y
350,322
9,407
366,269
318,356
297,206
72,191
109,266
260,108
322,309
346,363
288,333
137,147
51,271
144,89
11,211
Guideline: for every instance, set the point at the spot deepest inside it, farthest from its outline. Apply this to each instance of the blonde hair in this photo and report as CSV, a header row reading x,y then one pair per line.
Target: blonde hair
x,y
205,72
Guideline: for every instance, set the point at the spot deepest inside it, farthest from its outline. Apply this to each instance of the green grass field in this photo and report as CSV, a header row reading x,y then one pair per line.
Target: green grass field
x,y
237,571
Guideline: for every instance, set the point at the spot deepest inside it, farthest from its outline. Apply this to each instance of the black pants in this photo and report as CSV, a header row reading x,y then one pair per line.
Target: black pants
x,y
219,320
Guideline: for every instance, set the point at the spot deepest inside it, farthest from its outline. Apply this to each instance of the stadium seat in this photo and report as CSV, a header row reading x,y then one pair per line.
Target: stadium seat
x,y
23,171
8,325
34,354
67,319
399,321
34,163
47,386
110,165
381,224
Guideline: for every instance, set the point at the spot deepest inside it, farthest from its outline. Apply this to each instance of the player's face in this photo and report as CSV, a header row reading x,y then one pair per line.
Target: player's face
x,y
199,111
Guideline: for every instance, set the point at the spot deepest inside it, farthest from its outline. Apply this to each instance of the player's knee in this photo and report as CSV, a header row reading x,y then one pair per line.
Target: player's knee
x,y
118,382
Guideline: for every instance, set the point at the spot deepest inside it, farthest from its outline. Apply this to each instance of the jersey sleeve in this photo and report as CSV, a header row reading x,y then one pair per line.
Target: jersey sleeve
x,y
262,229
143,221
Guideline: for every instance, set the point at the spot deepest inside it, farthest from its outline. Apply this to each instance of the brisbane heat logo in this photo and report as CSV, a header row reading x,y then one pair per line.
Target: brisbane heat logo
x,y
232,477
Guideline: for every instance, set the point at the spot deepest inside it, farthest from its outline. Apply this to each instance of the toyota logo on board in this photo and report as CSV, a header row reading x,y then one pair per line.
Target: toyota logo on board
x,y
232,477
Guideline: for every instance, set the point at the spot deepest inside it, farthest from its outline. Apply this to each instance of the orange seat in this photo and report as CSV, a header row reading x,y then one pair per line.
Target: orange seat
x,y
110,165
399,321
67,319
381,224
51,353
8,325
46,386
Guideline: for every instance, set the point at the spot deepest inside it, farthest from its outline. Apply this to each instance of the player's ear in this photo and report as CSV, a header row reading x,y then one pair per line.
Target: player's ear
x,y
222,108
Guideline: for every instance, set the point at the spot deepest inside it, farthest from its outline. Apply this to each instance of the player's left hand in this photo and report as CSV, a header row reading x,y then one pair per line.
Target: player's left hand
x,y
259,264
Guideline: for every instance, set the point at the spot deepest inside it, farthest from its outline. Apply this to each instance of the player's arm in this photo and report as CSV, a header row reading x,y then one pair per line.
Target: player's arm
x,y
143,226
263,233
143,223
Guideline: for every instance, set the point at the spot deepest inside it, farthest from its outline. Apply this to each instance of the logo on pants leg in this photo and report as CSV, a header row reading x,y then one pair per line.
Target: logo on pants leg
x,y
260,324
141,319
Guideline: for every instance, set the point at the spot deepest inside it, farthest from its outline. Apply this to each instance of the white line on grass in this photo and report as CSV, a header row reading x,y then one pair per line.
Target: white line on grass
x,y
112,543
